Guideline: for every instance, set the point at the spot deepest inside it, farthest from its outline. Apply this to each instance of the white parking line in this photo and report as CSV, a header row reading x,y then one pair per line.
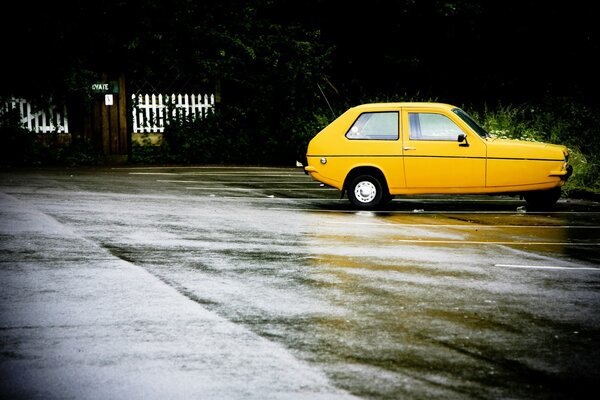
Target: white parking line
x,y
412,212
236,182
226,189
254,173
484,242
471,226
205,167
546,267
153,173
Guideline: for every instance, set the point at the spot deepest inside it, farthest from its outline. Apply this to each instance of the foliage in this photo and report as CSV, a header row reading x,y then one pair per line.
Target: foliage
x,y
228,136
561,121
282,48
18,144
21,147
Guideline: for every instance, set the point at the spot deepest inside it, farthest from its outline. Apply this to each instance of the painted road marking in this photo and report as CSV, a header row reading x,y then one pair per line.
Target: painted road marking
x,y
411,212
242,169
472,226
253,173
153,173
545,267
348,210
225,189
237,182
484,242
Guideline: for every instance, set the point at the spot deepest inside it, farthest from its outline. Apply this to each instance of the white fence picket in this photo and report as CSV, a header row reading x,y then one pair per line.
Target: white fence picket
x,y
151,113
40,121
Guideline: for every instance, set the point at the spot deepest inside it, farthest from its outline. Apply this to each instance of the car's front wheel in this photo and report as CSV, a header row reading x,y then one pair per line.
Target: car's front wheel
x,y
542,199
366,191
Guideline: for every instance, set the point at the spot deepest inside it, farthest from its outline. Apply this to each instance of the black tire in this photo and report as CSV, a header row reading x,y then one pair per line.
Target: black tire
x,y
366,192
386,199
542,199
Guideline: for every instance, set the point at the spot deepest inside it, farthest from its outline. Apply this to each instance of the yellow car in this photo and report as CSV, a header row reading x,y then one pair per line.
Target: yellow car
x,y
377,151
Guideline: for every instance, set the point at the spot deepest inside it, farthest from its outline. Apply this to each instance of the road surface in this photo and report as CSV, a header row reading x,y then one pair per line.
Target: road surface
x,y
258,283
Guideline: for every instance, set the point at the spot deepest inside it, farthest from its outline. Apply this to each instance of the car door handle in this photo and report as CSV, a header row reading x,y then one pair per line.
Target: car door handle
x,y
409,148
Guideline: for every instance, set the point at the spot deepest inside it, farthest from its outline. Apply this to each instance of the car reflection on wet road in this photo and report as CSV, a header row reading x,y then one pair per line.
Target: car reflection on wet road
x,y
432,297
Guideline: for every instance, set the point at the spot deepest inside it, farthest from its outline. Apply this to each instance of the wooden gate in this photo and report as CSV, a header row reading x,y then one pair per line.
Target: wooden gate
x,y
105,123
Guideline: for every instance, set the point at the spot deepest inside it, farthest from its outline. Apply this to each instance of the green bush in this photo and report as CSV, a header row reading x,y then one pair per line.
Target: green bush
x,y
217,138
21,147
231,135
560,121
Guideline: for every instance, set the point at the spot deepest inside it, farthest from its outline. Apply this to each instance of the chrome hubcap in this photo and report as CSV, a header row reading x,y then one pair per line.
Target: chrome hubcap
x,y
365,191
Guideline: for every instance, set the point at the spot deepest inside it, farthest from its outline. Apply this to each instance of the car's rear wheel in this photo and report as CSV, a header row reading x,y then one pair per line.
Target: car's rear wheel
x,y
366,191
542,199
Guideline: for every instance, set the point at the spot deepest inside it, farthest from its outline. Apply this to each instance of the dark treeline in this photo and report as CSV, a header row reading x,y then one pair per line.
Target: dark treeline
x,y
277,63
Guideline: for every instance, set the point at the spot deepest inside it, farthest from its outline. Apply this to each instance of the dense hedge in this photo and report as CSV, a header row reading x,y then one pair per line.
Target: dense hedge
x,y
233,136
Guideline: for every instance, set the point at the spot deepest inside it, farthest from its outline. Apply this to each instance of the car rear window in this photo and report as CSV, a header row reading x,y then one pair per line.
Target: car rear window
x,y
374,126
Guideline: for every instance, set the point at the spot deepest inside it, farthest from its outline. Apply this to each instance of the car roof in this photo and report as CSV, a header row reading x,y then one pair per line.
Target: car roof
x,y
377,106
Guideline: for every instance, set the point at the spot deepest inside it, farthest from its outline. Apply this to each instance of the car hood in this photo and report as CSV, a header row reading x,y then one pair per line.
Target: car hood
x,y
509,148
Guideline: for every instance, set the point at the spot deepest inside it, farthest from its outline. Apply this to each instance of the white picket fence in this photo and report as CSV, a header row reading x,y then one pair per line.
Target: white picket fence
x,y
151,113
40,121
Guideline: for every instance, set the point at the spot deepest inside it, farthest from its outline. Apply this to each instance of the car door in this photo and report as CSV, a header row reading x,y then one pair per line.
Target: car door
x,y
434,159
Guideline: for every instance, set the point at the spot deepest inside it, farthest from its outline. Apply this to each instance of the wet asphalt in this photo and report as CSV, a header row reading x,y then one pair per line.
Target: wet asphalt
x,y
258,283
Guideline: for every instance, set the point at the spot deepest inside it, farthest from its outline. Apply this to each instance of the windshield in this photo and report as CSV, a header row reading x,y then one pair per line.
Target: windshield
x,y
471,122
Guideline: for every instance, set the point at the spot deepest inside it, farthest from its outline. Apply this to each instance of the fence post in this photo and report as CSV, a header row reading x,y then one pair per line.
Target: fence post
x,y
160,125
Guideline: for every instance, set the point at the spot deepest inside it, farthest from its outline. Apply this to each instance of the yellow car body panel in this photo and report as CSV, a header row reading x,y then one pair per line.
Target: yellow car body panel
x,y
525,165
414,163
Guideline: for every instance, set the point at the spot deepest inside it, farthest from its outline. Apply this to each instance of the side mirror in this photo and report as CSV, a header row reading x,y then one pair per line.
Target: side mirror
x,y
462,138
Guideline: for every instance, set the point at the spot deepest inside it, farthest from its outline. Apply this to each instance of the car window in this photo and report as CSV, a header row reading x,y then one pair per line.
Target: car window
x,y
430,126
375,126
471,122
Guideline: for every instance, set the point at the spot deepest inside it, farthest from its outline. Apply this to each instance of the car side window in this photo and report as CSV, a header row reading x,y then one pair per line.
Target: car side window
x,y
430,126
374,126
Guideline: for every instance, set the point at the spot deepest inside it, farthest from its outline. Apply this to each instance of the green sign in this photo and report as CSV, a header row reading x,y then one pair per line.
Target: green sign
x,y
99,87
105,87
